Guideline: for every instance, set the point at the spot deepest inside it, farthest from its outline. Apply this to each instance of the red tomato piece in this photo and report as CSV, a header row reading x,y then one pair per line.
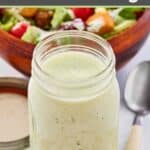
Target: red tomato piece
x,y
83,13
19,29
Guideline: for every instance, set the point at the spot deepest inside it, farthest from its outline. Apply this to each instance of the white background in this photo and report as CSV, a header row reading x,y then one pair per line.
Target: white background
x,y
126,117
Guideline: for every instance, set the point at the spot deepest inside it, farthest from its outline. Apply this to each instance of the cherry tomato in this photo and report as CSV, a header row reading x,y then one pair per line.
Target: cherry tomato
x,y
83,13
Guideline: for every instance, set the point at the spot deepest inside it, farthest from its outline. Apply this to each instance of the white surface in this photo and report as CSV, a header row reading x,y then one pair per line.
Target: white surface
x,y
126,117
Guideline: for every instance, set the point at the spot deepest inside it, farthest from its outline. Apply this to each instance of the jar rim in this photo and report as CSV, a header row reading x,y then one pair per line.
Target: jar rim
x,y
74,33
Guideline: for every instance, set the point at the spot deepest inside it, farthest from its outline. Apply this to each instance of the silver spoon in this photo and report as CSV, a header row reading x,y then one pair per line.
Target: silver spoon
x,y
137,98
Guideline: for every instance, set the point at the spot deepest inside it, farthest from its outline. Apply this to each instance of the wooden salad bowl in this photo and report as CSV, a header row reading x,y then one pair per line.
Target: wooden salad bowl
x,y
125,45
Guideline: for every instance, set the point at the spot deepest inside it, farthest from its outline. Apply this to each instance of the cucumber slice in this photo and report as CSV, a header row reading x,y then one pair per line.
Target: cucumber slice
x,y
31,35
60,15
9,24
119,28
124,25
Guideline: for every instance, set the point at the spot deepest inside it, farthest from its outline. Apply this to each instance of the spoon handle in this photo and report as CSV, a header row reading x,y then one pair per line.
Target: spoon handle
x,y
135,137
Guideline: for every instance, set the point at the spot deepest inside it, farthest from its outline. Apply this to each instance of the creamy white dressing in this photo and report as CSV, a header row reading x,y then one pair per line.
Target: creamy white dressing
x,y
86,124
13,117
73,66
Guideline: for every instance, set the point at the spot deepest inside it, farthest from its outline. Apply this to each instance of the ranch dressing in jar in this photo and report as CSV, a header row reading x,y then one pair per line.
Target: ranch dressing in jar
x,y
73,94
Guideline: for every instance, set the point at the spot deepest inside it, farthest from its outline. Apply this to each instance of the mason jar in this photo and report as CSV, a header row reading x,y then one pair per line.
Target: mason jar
x,y
73,93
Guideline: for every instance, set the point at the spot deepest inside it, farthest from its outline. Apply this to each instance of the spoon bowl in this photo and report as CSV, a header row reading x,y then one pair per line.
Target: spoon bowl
x,y
137,90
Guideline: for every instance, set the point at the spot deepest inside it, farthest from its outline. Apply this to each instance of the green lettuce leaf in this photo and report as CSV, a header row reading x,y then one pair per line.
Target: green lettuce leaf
x,y
130,13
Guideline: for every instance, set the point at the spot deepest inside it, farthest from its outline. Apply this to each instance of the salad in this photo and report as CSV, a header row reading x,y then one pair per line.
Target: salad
x,y
33,24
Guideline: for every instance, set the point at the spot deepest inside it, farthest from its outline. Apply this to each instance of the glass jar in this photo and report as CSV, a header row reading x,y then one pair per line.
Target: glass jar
x,y
77,108
17,86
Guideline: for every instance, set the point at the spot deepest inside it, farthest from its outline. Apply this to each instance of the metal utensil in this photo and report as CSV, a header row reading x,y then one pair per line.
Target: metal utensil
x,y
137,98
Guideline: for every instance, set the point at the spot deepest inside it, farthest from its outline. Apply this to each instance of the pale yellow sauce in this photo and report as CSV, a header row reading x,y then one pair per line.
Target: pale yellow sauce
x,y
73,66
86,124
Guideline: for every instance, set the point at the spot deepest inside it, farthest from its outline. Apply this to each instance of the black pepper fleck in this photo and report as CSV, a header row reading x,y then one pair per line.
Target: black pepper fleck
x,y
57,120
72,119
78,143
